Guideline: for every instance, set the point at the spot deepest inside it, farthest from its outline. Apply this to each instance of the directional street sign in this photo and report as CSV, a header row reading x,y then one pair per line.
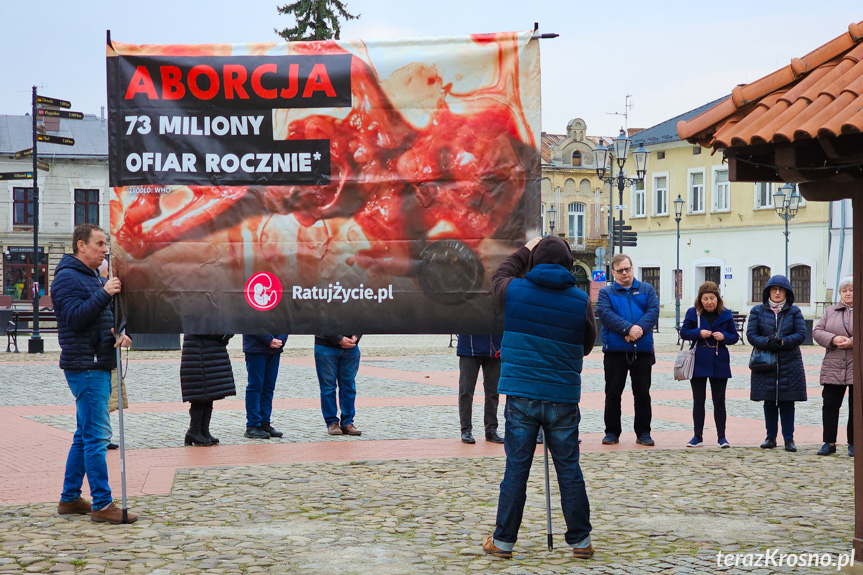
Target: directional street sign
x,y
23,153
44,100
631,244
618,227
16,175
43,166
60,114
63,141
619,208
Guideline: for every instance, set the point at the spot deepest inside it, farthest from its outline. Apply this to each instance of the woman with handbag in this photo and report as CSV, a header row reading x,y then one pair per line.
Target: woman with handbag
x,y
775,330
835,332
711,328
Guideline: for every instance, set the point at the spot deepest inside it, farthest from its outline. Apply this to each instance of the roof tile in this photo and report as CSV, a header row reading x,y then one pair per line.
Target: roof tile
x,y
818,94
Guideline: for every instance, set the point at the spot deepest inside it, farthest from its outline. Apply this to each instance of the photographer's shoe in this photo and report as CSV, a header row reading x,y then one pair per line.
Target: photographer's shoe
x,y
769,443
489,547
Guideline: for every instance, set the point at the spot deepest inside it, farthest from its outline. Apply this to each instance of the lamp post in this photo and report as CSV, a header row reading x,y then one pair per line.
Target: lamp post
x,y
551,213
786,201
678,214
619,150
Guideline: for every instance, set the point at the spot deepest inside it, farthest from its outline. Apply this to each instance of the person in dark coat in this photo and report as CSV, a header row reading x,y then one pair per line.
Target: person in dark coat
x,y
835,332
711,327
475,352
262,365
777,325
205,376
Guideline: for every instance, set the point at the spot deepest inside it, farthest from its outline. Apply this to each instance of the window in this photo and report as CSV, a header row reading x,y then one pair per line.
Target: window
x,y
721,191
576,221
638,199
696,151
760,276
660,155
711,274
22,206
576,158
86,207
696,192
660,195
651,276
801,279
763,198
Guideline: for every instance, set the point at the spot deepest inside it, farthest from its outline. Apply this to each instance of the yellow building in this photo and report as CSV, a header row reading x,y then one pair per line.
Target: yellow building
x,y
572,190
730,232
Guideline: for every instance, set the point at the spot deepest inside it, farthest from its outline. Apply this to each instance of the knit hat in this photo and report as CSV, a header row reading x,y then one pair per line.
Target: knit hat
x,y
551,250
846,281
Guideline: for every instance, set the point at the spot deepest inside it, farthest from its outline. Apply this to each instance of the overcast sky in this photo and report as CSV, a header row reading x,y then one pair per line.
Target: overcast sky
x,y
670,56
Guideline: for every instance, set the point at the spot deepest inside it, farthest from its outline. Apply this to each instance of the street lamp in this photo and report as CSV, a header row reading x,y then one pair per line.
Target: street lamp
x,y
785,202
551,213
618,151
678,214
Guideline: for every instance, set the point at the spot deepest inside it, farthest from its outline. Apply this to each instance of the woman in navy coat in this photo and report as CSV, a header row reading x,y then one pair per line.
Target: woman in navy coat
x,y
777,325
711,327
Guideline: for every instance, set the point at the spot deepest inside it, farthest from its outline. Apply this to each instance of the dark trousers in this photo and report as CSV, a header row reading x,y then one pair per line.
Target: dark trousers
x,y
617,364
468,371
773,410
833,396
699,396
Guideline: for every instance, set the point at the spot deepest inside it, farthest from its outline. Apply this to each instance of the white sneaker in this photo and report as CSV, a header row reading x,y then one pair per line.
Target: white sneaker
x,y
723,443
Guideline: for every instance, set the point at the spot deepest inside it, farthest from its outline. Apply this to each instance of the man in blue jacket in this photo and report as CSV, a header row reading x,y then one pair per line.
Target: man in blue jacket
x,y
628,310
85,324
475,352
262,365
548,329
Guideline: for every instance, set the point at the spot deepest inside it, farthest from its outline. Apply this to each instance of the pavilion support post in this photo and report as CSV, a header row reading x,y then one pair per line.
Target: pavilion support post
x,y
858,379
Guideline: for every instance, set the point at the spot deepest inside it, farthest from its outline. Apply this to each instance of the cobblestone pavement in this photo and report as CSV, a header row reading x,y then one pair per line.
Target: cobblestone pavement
x,y
668,510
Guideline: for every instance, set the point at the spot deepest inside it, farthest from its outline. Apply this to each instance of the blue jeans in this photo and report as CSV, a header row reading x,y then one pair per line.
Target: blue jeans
x,y
263,370
90,443
524,417
337,368
773,411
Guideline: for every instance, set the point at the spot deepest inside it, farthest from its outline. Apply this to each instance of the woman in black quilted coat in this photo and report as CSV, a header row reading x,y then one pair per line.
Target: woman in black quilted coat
x,y
205,376
777,325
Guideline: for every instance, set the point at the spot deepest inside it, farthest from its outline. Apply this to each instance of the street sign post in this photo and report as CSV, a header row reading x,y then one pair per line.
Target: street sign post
x,y
62,140
16,175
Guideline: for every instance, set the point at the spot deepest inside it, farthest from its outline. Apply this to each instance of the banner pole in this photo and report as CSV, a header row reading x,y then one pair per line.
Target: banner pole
x,y
120,377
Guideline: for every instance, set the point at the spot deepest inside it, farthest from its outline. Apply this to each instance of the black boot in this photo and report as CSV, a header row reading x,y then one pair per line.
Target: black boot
x,y
194,435
205,424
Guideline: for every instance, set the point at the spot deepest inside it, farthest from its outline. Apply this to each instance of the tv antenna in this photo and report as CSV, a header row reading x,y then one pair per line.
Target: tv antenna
x,y
626,109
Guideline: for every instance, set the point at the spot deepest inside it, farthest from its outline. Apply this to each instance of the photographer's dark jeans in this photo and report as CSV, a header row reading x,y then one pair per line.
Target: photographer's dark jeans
x,y
560,422
699,396
772,413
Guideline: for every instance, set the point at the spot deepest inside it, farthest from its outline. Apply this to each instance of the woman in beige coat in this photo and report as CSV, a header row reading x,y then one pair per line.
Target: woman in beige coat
x,y
834,332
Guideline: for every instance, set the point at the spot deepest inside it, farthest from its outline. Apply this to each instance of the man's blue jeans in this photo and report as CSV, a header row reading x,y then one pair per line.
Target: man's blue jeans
x,y
560,422
90,443
337,368
263,370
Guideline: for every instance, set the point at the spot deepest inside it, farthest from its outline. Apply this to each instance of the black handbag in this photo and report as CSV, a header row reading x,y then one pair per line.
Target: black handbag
x,y
762,360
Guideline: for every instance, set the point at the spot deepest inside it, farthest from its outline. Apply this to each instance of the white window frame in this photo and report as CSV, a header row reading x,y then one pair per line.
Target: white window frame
x,y
542,214
757,200
715,189
657,190
691,192
572,218
639,200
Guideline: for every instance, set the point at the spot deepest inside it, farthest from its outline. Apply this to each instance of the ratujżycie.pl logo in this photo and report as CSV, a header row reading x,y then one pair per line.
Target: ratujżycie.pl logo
x,y
263,291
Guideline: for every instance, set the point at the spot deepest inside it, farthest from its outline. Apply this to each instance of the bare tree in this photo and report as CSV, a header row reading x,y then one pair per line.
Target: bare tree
x,y
316,19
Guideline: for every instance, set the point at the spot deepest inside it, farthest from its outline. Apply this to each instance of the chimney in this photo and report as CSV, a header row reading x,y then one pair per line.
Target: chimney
x,y
103,112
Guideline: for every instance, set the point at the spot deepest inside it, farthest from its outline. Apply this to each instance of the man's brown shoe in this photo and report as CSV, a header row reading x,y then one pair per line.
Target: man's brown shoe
x,y
489,547
583,552
349,429
112,514
78,507
334,429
